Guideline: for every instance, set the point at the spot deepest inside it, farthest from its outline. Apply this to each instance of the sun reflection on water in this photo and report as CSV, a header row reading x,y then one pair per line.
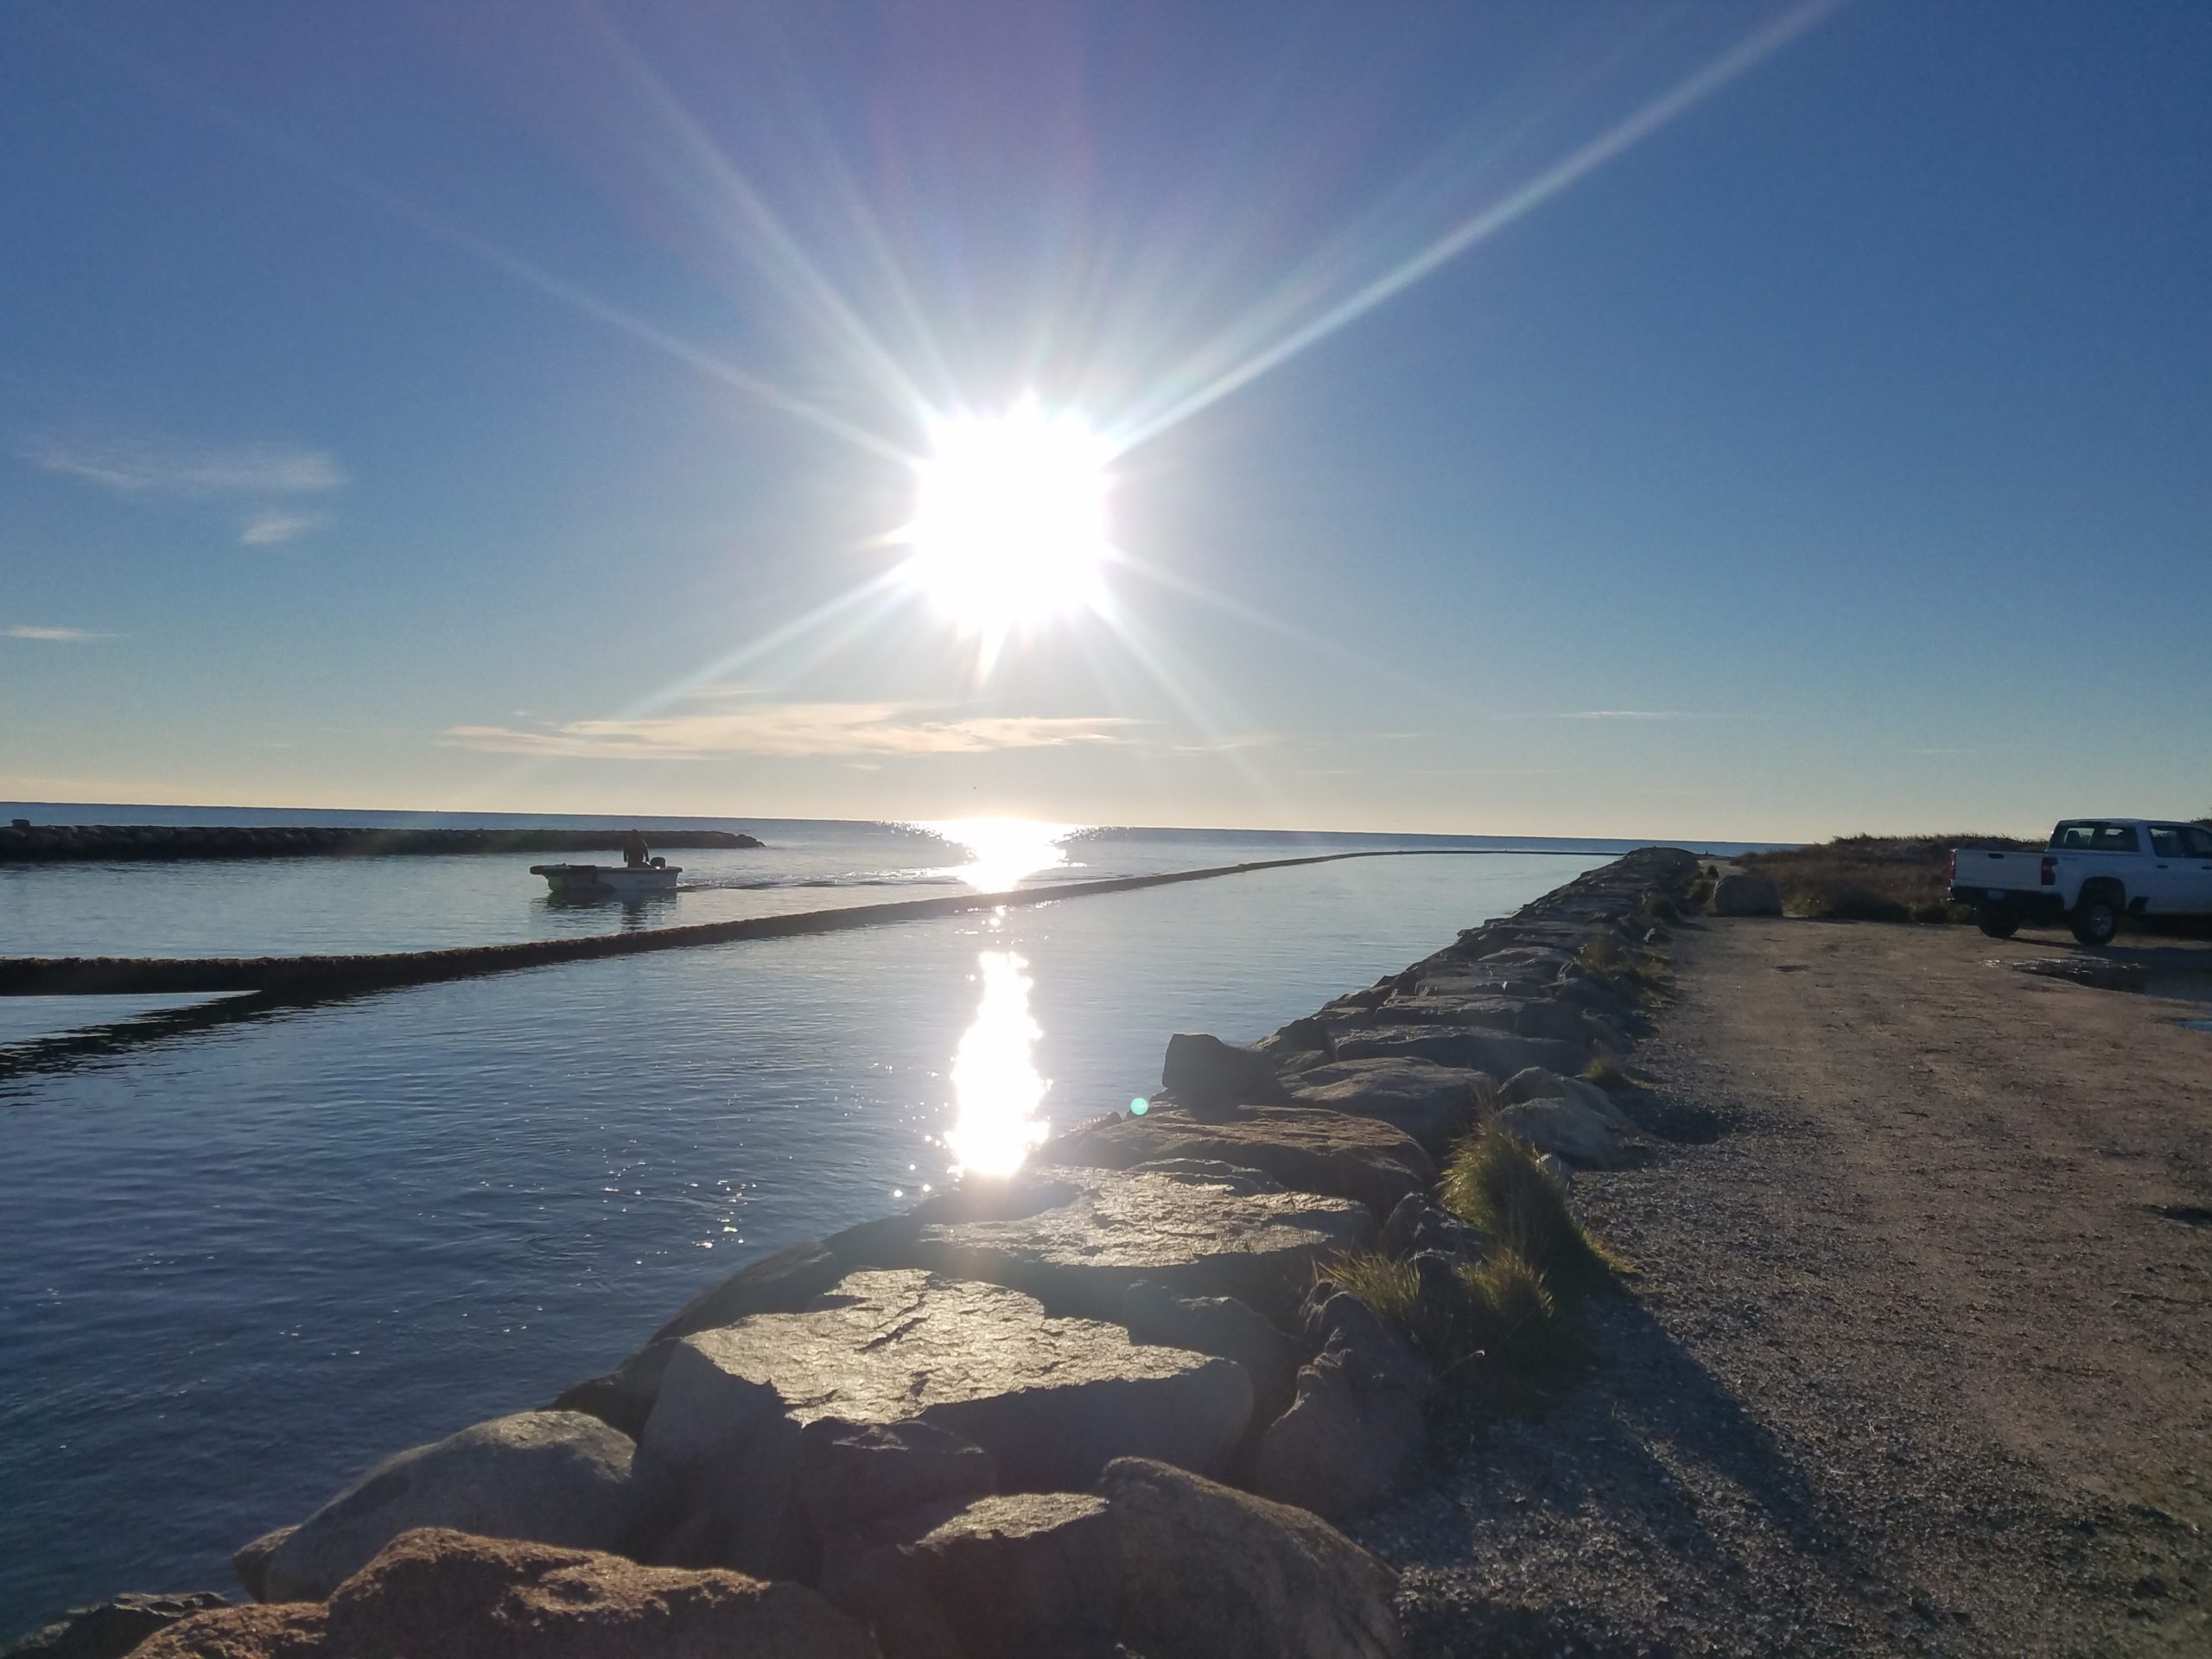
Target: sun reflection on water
x,y
1000,851
995,1086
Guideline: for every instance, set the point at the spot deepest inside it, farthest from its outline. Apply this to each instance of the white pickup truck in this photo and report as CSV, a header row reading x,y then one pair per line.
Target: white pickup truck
x,y
2092,873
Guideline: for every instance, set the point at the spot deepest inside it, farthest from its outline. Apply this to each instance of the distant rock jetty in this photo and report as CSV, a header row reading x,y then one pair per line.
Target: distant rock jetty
x,y
24,842
1118,1403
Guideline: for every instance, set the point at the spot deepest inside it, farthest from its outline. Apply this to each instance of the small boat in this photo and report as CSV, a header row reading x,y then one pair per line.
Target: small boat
x,y
608,881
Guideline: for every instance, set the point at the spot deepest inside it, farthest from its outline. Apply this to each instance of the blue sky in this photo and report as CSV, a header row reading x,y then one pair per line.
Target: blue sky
x,y
1740,420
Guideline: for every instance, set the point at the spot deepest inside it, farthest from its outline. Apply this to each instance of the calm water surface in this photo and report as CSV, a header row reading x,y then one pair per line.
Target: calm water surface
x,y
245,1260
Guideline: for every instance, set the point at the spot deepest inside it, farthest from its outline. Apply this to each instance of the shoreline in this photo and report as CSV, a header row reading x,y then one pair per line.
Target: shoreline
x,y
25,842
1259,1166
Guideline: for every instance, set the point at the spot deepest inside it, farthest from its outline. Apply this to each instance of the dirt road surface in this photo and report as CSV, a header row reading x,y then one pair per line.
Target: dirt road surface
x,y
1920,1355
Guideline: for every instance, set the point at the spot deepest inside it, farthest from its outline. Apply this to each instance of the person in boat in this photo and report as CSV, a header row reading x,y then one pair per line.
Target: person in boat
x,y
634,850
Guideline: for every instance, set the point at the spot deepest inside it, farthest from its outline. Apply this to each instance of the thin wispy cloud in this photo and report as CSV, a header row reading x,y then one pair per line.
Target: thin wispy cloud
x,y
59,636
273,529
143,467
791,730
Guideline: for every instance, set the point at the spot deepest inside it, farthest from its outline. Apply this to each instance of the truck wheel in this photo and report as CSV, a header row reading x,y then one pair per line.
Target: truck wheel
x,y
2096,918
1996,921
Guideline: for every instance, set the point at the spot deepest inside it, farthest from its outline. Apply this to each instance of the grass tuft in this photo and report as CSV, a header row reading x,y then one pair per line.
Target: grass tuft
x,y
1640,983
1385,1283
1511,1314
1605,1071
1494,1182
1660,908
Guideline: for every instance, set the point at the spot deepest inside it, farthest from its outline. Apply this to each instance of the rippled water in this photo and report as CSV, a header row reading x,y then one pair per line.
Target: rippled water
x,y
244,1260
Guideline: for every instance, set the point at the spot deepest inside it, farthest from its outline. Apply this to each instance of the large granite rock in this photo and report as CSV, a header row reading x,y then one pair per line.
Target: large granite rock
x,y
292,1631
111,1629
1012,1577
1738,894
1419,1225
1448,1002
853,1474
1211,1572
1096,1233
250,1560
1205,1073
446,1594
1363,1158
1568,1130
1492,1051
1051,1400
555,1477
1537,1083
1357,1424
1223,1326
1433,1104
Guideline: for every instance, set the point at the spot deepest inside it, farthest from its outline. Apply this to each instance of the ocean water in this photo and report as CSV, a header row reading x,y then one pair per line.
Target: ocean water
x,y
246,1258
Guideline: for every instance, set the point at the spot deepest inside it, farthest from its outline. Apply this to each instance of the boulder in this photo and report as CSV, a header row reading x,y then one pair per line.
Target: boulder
x,y
1537,1083
1206,1074
1419,1224
1223,1326
1010,1577
1100,1232
434,1591
1051,1400
1545,1017
1211,1572
1363,1158
851,1474
287,1630
1433,1104
1571,1131
250,1562
1211,1172
1492,1051
555,1477
1452,1001
111,1629
1357,1422
1738,894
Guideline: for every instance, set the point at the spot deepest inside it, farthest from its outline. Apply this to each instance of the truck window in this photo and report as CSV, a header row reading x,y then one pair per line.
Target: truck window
x,y
2199,840
2167,841
2073,837
2117,838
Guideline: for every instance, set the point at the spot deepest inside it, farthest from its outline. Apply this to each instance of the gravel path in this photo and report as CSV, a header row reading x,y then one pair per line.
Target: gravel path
x,y
1920,1359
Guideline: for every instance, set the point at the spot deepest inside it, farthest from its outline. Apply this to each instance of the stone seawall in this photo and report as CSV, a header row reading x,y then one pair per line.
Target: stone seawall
x,y
1116,1404
57,843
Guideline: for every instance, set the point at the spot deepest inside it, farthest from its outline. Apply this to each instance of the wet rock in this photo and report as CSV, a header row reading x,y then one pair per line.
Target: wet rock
x,y
1209,1572
1206,1074
556,1476
850,1474
1010,1577
286,1630
1738,894
111,1629
251,1563
1211,1171
1308,1150
1419,1224
1434,1104
447,1594
1106,1232
1051,1400
1224,1327
1490,1052
1570,1131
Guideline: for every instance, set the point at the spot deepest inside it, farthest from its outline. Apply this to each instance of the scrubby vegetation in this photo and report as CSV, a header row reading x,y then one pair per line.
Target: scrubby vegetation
x,y
1640,982
1872,878
1494,1182
1605,1071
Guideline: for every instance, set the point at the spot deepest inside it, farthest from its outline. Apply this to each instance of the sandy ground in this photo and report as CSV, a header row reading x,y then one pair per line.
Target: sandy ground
x,y
1919,1359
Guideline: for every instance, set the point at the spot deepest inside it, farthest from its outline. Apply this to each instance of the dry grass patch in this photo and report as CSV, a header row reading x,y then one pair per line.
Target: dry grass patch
x,y
1494,1182
1873,878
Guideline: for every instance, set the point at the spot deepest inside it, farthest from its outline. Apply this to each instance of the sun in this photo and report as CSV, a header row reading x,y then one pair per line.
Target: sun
x,y
1009,525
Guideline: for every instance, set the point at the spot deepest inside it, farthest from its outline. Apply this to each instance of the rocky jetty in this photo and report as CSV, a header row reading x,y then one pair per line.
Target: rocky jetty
x,y
1116,1404
25,842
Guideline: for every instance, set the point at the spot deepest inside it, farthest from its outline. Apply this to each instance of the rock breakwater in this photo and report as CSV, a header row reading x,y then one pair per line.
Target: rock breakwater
x,y
24,842
1118,1402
